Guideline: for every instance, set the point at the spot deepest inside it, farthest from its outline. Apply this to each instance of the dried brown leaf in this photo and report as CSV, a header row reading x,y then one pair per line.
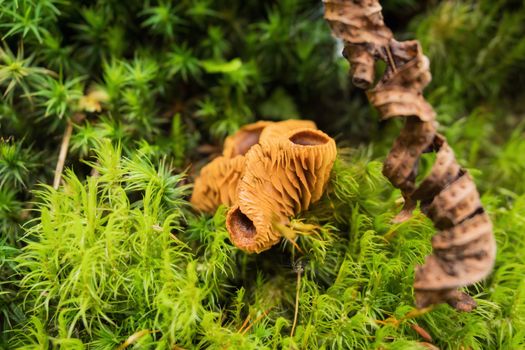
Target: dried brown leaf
x,y
464,249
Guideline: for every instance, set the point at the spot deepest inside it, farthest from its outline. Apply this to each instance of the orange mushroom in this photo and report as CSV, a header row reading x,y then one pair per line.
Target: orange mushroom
x,y
269,171
283,175
246,137
217,182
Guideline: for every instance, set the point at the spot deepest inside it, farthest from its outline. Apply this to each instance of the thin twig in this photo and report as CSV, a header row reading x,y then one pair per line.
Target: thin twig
x,y
417,312
421,331
298,289
264,314
63,154
391,58
294,243
412,314
94,171
134,337
245,323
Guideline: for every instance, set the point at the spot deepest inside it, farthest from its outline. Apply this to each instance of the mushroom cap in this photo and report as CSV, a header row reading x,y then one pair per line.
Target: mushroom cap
x,y
217,181
246,137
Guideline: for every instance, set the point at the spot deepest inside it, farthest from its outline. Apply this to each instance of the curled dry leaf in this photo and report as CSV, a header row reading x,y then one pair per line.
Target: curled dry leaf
x,y
464,249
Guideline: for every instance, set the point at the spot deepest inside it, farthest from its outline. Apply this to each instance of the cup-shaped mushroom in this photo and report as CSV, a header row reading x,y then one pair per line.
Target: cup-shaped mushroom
x,y
312,154
217,183
259,201
252,231
280,129
246,137
280,179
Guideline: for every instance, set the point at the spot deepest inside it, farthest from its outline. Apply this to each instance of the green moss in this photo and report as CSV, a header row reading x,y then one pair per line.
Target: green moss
x,y
116,256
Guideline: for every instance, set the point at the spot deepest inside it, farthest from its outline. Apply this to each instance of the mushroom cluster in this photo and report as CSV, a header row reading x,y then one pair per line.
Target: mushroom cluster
x,y
268,172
